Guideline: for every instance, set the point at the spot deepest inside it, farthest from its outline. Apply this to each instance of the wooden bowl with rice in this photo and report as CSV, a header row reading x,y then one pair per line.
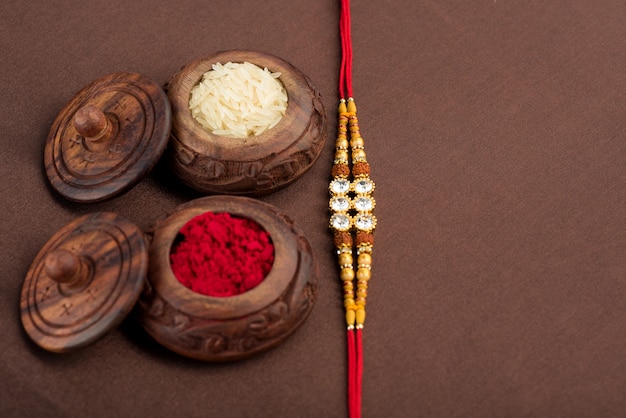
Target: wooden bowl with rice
x,y
233,132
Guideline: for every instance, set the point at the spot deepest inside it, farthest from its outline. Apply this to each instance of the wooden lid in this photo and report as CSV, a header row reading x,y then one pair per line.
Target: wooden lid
x,y
84,281
107,137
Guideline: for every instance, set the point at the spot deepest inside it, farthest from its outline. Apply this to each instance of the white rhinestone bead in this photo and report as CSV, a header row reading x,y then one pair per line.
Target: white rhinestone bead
x,y
340,222
340,186
363,204
339,204
365,222
363,186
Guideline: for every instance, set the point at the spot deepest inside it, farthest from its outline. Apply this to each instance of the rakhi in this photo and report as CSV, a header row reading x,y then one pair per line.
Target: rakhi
x,y
352,221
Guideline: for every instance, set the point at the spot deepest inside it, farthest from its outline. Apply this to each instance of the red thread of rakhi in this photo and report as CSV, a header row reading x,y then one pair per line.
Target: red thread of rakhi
x,y
352,220
221,255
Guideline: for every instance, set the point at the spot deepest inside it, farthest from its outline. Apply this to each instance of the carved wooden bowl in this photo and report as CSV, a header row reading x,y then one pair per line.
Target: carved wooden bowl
x,y
229,328
255,165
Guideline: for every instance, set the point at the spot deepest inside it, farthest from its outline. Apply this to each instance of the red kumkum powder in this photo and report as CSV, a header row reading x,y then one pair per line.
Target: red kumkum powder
x,y
218,254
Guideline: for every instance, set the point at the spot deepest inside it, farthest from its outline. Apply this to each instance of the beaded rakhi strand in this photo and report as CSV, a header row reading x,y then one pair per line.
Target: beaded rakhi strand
x,y
352,221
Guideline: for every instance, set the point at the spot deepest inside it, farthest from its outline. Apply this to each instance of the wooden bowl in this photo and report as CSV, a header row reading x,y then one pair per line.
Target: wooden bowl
x,y
255,165
229,328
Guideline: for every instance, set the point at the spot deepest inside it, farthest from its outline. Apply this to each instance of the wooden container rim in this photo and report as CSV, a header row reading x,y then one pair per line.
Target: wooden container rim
x,y
285,265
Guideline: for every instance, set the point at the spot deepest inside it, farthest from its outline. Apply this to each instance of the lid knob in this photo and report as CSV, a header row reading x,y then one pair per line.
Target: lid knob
x,y
91,122
65,267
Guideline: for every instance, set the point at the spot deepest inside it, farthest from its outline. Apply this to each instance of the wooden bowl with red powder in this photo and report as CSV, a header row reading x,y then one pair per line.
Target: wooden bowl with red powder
x,y
215,311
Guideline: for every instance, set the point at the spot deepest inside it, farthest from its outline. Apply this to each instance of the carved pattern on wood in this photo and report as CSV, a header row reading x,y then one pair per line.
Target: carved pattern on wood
x,y
275,171
137,116
230,339
62,312
218,340
280,164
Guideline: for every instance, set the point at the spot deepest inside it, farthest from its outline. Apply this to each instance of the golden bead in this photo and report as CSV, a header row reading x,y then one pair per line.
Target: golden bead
x,y
360,301
356,142
350,317
365,259
341,143
347,274
341,155
342,107
351,107
345,258
360,316
363,274
348,302
358,154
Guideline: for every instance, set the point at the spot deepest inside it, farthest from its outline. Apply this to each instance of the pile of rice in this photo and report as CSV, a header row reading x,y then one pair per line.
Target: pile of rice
x,y
238,100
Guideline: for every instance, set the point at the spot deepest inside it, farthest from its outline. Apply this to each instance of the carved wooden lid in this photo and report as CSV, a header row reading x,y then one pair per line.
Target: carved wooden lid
x,y
84,281
107,137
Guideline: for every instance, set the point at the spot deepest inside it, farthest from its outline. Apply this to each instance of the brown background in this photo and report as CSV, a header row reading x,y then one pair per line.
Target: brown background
x,y
496,134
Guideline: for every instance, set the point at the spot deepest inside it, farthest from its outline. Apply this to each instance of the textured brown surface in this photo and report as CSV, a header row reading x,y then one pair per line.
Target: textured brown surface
x,y
496,135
